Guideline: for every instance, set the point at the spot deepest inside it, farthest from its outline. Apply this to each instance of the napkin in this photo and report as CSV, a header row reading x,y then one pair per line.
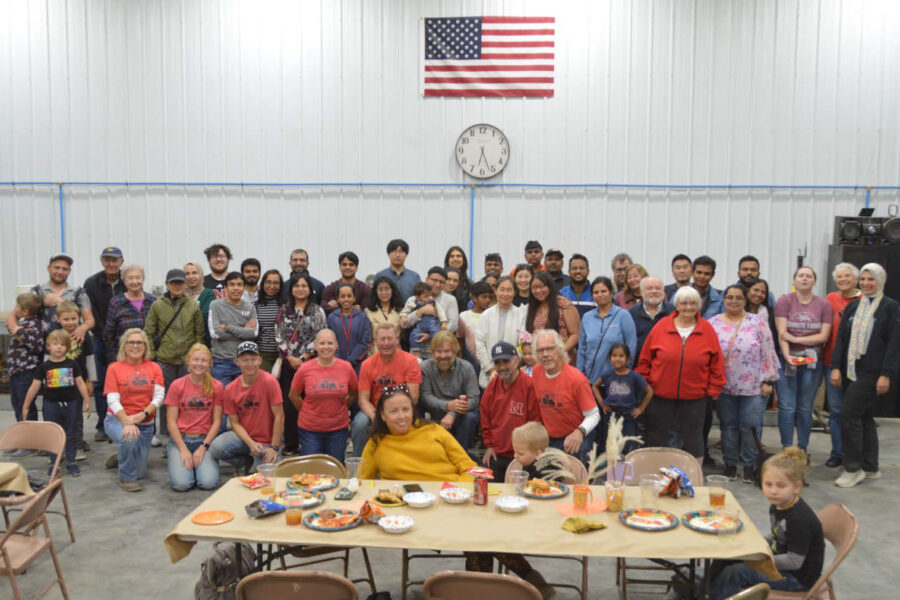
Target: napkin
x,y
581,525
568,508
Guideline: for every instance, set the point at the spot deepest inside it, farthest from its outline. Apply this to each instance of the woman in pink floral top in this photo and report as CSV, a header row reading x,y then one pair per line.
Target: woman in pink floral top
x,y
751,365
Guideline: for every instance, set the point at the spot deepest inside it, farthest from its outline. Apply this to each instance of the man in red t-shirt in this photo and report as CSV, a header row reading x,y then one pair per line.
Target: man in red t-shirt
x,y
508,401
388,366
568,409
253,405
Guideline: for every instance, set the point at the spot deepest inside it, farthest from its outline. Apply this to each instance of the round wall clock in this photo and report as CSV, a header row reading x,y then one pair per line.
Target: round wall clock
x,y
482,151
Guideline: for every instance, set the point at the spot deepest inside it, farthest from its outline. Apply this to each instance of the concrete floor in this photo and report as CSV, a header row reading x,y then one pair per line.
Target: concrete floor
x,y
119,551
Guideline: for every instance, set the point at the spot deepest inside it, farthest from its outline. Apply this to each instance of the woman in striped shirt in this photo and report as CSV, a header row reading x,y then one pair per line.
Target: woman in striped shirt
x,y
267,306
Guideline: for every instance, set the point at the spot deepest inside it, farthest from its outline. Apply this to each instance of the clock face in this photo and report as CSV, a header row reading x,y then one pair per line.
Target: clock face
x,y
482,151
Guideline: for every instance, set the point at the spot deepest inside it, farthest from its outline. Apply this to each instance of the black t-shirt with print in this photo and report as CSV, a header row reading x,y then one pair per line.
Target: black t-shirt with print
x,y
59,380
798,530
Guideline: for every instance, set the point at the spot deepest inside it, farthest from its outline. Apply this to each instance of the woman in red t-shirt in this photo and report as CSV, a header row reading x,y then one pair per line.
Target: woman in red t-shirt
x,y
134,392
194,414
322,390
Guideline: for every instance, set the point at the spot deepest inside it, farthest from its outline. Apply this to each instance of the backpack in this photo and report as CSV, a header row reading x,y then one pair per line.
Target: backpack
x,y
220,573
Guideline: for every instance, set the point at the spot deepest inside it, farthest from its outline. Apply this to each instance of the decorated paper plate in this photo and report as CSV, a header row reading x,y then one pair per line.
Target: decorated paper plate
x,y
311,482
710,521
332,520
396,523
212,517
557,490
310,499
648,519
388,504
456,495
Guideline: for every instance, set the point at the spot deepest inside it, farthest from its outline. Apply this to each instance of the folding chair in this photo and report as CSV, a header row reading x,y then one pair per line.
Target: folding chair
x,y
760,591
448,585
296,584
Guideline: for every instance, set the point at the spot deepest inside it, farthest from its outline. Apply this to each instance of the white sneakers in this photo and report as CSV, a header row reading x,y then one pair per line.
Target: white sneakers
x,y
156,442
848,479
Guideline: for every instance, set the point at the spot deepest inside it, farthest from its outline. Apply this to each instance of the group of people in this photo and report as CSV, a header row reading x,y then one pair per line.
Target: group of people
x,y
298,366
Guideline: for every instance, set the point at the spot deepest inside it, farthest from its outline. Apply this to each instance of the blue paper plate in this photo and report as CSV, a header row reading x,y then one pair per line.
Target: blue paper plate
x,y
328,482
563,490
312,521
710,521
648,519
316,499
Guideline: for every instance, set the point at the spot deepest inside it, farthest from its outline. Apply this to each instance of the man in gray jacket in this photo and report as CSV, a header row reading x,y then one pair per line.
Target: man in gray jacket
x,y
450,392
232,320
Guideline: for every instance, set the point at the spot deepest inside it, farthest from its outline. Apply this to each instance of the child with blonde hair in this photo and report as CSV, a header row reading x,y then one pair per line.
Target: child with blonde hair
x,y
796,536
68,315
529,441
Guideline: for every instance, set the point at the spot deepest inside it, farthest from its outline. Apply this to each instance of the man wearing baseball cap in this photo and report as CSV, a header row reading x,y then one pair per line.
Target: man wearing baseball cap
x,y
553,262
254,407
508,401
100,288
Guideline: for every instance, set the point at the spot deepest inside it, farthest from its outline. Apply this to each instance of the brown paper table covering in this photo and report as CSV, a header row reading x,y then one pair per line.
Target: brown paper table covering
x,y
14,478
458,527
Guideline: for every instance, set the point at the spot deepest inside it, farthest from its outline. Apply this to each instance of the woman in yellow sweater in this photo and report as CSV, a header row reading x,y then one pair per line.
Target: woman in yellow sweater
x,y
401,446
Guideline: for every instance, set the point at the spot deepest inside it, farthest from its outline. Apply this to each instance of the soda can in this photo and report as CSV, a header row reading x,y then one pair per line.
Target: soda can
x,y
480,495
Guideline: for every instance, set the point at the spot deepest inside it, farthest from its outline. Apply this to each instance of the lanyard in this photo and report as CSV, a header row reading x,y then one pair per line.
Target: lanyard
x,y
348,328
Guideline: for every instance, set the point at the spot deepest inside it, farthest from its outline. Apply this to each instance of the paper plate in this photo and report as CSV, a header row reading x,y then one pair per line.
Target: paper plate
x,y
313,520
323,482
388,504
511,504
557,490
396,523
315,499
212,517
455,495
648,519
710,521
419,499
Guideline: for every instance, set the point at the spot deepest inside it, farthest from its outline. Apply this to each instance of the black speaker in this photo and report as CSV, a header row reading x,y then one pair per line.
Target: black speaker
x,y
866,231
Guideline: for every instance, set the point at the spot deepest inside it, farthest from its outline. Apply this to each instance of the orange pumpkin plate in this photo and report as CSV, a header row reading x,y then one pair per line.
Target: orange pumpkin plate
x,y
212,517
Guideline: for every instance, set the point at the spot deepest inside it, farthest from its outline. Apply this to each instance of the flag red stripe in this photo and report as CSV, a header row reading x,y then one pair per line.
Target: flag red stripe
x,y
517,44
518,19
473,93
489,68
516,56
488,80
517,32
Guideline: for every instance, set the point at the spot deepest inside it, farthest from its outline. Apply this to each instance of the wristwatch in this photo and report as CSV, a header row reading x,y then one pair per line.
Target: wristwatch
x,y
583,431
205,445
276,448
146,414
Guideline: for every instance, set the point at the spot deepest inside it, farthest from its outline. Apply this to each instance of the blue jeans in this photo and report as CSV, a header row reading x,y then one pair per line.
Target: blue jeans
x,y
133,454
205,476
428,324
359,432
100,361
737,416
738,576
225,371
795,403
835,397
18,387
464,428
232,449
585,449
67,415
332,443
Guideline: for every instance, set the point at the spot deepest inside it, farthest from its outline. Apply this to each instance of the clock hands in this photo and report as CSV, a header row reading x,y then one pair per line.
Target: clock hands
x,y
483,157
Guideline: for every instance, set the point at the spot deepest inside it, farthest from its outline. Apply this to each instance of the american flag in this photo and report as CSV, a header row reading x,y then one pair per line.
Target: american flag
x,y
488,56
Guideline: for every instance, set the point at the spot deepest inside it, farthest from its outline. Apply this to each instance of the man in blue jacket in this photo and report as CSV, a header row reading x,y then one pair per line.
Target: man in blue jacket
x,y
710,297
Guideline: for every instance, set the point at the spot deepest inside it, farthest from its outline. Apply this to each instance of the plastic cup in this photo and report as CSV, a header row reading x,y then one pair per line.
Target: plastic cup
x,y
718,484
517,478
293,507
615,495
267,471
352,463
650,486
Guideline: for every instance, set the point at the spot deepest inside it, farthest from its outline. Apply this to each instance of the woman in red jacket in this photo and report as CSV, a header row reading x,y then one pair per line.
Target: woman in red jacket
x,y
682,362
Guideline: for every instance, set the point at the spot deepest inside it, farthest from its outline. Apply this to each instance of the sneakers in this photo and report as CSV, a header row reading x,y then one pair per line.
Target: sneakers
x,y
73,470
20,453
130,486
112,462
873,474
731,472
80,455
848,479
101,437
749,475
156,442
290,451
84,446
832,462
708,461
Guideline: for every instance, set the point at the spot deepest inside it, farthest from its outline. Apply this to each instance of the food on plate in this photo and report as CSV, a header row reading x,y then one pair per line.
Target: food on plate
x,y
255,481
337,521
305,479
538,486
388,497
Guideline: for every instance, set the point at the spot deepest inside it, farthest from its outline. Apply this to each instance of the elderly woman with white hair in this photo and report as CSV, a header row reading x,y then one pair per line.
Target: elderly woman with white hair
x,y
568,409
865,359
845,276
682,361
126,310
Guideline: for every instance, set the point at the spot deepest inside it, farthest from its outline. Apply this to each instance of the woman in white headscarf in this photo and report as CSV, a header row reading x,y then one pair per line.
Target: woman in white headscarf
x,y
865,359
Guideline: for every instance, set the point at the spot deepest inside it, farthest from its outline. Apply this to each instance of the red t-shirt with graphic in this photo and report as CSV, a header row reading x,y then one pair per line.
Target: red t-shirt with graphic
x,y
375,374
324,391
195,411
253,405
563,399
134,384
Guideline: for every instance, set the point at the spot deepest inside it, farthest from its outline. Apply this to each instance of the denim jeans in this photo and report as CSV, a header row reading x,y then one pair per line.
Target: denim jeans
x,y
585,449
332,443
835,397
225,371
359,432
464,428
630,426
858,429
737,416
738,576
99,397
133,454
205,476
795,403
170,373
18,387
232,449
66,415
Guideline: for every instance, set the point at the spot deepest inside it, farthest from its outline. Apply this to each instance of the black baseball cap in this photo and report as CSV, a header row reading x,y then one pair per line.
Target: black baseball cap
x,y
503,351
175,275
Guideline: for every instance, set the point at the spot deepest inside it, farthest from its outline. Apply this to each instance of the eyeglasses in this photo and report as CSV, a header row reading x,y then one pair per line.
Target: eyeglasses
x,y
546,350
134,343
389,390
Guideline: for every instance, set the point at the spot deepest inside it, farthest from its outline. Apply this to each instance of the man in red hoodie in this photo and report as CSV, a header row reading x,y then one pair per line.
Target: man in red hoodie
x,y
682,362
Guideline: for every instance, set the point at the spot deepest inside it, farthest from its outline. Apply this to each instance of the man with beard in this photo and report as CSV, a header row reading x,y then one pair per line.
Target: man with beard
x,y
493,265
619,265
348,263
553,263
578,291
250,272
748,273
217,256
711,302
508,402
52,293
649,310
450,391
299,265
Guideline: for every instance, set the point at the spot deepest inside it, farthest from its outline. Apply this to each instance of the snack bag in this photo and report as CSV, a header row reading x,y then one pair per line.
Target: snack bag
x,y
255,481
370,512
481,472
671,482
684,482
263,508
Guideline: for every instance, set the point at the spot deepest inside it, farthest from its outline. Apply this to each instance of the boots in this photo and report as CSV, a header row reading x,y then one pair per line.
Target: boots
x,y
537,580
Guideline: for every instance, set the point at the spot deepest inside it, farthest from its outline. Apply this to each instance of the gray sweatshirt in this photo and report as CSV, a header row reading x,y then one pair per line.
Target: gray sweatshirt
x,y
439,388
225,341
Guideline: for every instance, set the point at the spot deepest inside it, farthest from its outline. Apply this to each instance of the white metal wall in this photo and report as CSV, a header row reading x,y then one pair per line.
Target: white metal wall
x,y
666,92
